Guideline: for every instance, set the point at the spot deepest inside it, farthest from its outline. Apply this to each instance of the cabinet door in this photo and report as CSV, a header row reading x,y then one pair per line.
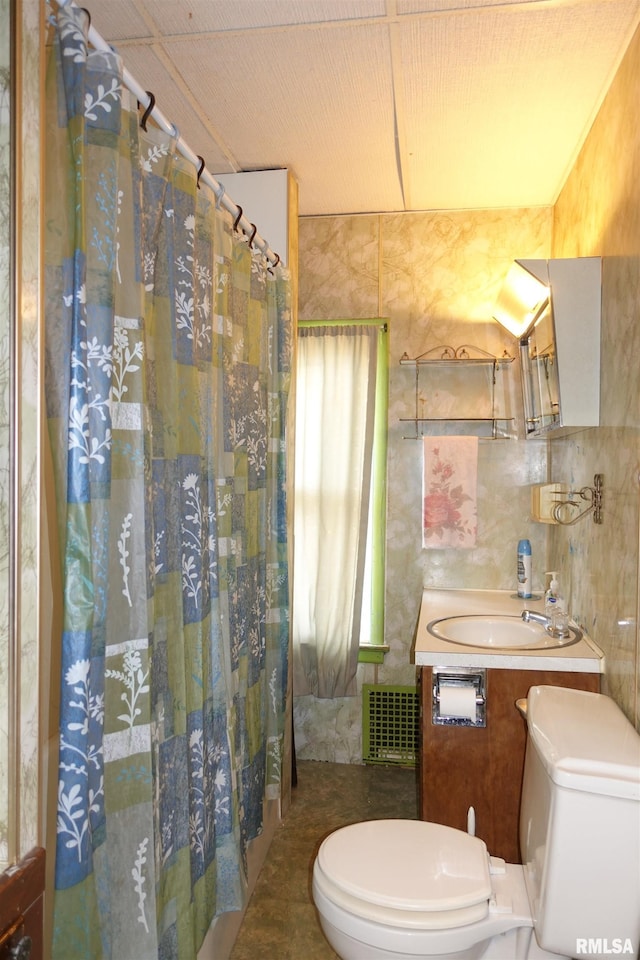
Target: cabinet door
x,y
21,908
483,767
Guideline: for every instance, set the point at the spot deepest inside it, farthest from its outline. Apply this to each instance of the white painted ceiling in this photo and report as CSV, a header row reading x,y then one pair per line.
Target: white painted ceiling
x,y
380,105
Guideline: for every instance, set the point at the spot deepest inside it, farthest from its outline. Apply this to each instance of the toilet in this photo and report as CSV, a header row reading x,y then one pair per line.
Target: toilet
x,y
412,890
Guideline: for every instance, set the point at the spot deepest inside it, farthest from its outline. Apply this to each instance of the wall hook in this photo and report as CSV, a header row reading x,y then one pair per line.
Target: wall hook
x,y
590,495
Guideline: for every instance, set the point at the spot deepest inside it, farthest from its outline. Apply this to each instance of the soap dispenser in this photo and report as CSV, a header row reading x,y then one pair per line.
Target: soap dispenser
x,y
551,596
555,607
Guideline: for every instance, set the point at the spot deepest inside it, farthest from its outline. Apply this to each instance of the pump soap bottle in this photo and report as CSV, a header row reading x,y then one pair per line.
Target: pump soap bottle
x,y
551,596
524,569
555,607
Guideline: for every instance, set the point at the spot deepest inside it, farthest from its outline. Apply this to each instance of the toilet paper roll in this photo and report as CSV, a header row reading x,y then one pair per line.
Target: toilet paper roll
x,y
459,702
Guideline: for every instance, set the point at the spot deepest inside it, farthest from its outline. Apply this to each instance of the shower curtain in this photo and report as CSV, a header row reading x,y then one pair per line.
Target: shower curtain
x,y
168,346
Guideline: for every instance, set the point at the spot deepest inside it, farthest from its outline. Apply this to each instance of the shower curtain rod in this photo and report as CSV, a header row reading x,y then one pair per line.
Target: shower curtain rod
x,y
148,101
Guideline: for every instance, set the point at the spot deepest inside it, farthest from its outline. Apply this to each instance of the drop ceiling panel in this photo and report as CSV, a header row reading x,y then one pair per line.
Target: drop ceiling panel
x,y
323,110
200,16
117,20
380,104
504,118
438,7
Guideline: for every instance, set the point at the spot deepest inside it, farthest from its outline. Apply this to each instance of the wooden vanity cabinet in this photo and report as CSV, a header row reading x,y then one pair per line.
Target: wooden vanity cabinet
x,y
21,908
483,766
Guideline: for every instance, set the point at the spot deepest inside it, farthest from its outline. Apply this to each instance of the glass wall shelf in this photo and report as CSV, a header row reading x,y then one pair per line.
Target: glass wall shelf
x,y
461,396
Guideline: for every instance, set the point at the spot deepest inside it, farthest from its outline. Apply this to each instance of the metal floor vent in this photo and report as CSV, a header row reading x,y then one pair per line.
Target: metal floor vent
x,y
390,724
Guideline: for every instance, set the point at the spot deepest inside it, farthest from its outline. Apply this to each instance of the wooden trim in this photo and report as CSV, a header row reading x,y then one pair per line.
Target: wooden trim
x,y
21,904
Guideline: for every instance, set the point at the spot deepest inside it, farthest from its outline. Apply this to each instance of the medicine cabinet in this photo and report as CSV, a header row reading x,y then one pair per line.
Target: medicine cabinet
x,y
462,386
560,353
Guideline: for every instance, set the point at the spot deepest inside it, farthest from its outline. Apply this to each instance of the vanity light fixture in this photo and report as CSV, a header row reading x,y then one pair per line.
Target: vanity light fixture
x,y
524,296
563,510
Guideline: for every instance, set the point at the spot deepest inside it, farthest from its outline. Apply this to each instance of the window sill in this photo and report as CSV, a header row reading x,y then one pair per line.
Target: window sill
x,y
372,652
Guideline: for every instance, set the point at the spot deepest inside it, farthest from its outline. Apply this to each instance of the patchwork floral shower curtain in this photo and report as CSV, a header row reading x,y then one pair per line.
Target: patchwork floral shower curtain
x,y
168,345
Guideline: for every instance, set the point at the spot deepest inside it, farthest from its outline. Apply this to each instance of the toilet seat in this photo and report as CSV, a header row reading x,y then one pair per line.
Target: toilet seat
x,y
406,873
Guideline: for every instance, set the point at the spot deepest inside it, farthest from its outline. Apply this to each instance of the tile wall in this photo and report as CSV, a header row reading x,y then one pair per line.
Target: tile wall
x,y
598,214
435,276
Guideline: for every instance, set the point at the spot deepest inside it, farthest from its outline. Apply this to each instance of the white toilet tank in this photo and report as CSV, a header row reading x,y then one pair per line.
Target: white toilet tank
x,y
580,824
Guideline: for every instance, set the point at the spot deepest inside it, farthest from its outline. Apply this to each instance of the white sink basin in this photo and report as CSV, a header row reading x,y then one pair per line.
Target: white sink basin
x,y
498,633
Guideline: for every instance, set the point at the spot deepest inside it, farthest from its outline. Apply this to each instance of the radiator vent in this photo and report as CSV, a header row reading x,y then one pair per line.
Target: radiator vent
x,y
390,724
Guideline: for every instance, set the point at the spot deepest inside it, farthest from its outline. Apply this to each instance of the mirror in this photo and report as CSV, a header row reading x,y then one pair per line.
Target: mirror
x,y
539,371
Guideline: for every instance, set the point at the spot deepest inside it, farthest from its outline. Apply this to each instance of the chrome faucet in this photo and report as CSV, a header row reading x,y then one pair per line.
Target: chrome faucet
x,y
528,615
531,616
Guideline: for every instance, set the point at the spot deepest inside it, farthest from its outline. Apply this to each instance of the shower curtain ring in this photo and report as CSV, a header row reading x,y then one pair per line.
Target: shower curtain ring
x,y
175,132
253,234
200,169
273,265
238,218
220,195
88,13
147,112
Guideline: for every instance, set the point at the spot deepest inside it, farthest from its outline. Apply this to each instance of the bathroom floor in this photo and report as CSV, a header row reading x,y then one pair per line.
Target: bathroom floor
x,y
280,922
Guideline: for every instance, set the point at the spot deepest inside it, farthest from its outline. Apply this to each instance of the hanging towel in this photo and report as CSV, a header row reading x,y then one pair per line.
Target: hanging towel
x,y
449,492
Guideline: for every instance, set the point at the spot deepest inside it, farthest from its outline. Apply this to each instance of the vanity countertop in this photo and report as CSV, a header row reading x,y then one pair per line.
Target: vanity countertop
x,y
429,651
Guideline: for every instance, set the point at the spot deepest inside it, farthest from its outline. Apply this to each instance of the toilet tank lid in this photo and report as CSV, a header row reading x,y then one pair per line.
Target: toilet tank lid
x,y
584,741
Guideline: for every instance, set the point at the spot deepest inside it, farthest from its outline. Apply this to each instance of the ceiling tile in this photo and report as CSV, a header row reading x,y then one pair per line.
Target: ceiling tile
x,y
380,105
438,7
118,20
324,110
206,16
504,118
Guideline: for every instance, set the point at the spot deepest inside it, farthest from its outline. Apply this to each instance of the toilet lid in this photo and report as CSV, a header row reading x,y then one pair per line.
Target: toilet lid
x,y
409,865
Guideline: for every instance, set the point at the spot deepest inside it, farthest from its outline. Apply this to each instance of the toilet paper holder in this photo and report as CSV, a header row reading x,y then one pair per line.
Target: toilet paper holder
x,y
463,679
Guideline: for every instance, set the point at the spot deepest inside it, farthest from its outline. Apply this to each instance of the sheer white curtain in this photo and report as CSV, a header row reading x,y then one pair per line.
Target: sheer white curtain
x,y
335,409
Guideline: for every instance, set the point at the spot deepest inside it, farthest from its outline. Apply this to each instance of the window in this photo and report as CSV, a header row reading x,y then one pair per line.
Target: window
x,y
339,524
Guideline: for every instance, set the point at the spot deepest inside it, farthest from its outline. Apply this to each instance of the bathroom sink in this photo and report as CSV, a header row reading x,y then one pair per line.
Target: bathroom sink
x,y
494,632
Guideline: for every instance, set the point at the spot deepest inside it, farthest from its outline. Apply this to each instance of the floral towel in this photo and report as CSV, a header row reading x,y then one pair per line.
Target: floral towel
x,y
449,481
